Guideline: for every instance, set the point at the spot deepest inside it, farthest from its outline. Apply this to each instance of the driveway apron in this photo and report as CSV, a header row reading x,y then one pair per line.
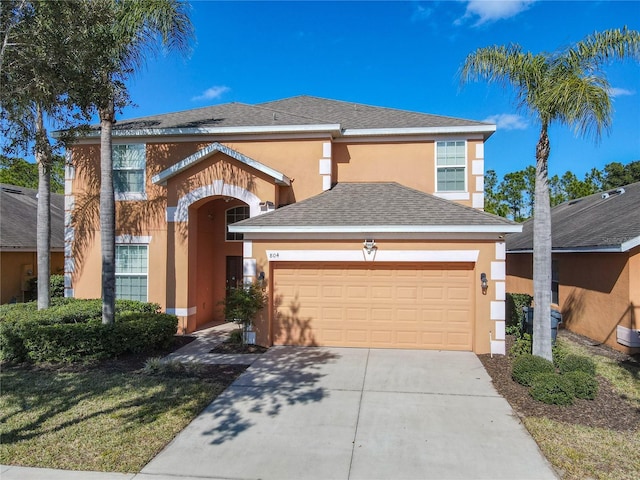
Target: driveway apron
x,y
342,413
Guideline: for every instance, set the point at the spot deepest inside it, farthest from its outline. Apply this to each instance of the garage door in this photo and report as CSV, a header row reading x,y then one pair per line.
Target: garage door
x,y
422,306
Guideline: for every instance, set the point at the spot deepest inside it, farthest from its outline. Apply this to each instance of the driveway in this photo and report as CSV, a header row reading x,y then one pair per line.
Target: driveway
x,y
340,413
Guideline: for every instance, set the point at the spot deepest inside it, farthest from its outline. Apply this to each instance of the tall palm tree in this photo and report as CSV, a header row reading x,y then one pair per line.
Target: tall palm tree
x,y
568,87
138,28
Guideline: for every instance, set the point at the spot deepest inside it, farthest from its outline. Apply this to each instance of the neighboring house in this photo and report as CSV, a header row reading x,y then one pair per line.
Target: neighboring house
x,y
18,255
363,224
596,265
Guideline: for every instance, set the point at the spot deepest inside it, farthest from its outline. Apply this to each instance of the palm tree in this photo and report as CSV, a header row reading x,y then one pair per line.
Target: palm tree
x,y
137,26
568,87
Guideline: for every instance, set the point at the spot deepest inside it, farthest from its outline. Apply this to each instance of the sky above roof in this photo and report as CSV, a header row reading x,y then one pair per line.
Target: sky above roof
x,y
403,55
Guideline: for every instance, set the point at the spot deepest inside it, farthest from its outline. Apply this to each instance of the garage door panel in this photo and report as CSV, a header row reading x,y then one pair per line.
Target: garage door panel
x,y
390,306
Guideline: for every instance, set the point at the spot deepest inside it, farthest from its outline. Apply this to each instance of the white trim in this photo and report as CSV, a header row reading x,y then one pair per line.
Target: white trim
x,y
497,310
477,200
452,195
621,248
480,183
249,267
247,249
326,183
498,347
133,239
171,214
217,188
500,330
326,149
69,265
480,153
629,244
182,312
379,229
501,290
155,132
477,167
324,166
380,256
215,147
498,271
366,132
377,235
130,196
501,252
68,292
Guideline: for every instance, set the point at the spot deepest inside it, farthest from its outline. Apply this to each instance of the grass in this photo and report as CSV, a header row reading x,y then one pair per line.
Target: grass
x,y
581,452
94,420
584,452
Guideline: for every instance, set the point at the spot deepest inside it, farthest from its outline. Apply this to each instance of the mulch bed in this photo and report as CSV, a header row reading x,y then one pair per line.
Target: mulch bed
x,y
608,410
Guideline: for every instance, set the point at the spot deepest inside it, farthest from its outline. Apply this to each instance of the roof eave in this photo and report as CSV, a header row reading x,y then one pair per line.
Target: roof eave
x,y
499,229
487,130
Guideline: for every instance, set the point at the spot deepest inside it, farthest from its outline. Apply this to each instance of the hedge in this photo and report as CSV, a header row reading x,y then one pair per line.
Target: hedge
x,y
72,331
553,389
514,303
580,363
584,384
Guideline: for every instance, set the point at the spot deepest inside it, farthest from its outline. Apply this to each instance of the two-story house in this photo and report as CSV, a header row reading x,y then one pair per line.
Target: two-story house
x,y
364,225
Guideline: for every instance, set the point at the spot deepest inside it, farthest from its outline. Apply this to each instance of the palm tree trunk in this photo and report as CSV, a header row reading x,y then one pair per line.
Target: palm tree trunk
x,y
107,215
542,251
42,154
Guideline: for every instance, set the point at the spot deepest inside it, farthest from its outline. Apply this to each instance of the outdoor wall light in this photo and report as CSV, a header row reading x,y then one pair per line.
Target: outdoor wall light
x,y
369,245
484,284
261,278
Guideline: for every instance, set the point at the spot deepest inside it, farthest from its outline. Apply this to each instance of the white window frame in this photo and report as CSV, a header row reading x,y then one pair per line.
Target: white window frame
x,y
452,194
239,237
129,195
132,241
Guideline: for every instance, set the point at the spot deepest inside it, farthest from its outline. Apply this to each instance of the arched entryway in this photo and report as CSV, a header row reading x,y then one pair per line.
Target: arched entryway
x,y
215,255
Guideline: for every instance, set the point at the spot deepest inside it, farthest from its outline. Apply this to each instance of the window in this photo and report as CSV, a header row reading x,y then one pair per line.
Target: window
x,y
451,164
234,215
131,272
555,283
129,171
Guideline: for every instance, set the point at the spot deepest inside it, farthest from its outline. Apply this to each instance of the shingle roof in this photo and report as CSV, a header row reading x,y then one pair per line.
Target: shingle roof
x,y
379,205
607,220
18,218
300,110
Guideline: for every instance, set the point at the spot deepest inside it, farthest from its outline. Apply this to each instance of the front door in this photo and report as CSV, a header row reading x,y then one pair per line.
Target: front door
x,y
234,272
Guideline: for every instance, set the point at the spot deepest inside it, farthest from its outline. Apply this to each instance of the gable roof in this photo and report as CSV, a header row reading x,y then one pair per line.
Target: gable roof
x,y
386,207
602,222
162,177
297,114
18,219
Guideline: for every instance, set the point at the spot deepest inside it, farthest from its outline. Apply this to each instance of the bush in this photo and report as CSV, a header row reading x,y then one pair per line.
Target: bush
x,y
559,352
553,389
521,346
56,285
72,330
572,363
584,384
513,305
527,366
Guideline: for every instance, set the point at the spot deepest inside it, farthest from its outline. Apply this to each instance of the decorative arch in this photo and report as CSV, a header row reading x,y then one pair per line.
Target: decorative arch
x,y
180,213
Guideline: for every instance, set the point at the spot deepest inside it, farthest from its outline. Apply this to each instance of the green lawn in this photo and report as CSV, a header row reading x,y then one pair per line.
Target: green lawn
x,y
581,452
90,419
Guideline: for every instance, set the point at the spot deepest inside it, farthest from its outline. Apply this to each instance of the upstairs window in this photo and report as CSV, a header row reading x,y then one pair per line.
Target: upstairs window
x,y
129,163
234,215
451,166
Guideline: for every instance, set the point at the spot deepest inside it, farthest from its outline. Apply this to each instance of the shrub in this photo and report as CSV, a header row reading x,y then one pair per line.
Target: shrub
x,y
56,284
584,384
236,336
521,346
553,389
559,351
572,363
527,366
513,305
87,340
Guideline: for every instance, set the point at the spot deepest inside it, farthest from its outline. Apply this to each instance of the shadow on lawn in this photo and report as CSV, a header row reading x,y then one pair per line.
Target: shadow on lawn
x,y
283,376
134,399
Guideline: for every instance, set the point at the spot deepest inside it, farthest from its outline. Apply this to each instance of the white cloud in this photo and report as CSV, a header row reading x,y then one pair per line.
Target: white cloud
x,y
420,13
620,92
487,11
211,93
508,121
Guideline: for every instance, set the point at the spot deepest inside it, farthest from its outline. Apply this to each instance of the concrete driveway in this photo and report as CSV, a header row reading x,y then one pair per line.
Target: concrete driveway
x,y
341,413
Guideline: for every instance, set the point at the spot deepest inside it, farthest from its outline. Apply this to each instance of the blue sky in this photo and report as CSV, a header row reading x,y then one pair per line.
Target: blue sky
x,y
398,54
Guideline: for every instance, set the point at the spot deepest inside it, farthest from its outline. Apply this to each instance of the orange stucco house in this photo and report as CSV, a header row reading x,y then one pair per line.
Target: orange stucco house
x,y
364,225
596,265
